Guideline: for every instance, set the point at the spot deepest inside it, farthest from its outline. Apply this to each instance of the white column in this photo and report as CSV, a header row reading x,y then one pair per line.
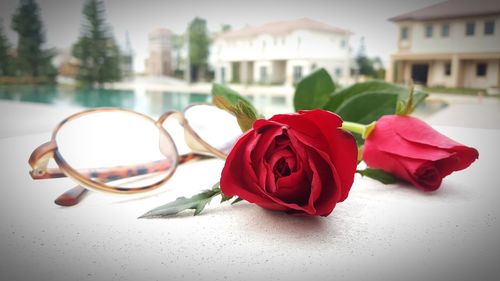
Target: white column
x,y
498,81
244,72
456,71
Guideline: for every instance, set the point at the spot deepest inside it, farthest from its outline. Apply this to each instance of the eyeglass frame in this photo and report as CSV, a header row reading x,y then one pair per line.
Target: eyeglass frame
x,y
41,156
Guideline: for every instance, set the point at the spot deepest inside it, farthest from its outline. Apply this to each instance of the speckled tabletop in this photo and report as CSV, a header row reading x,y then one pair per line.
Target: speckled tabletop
x,y
392,232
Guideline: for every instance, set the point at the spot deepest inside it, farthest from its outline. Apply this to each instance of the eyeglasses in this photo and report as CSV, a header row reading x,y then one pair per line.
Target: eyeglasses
x,y
125,152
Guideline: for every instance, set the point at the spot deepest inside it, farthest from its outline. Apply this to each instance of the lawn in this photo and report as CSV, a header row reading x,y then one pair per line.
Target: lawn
x,y
458,91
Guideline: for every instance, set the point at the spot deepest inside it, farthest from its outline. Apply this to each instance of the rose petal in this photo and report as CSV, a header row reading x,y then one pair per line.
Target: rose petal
x,y
325,190
294,188
417,131
325,185
387,140
343,160
341,142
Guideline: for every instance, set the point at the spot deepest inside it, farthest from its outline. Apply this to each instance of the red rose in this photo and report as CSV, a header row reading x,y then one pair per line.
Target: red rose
x,y
299,163
411,150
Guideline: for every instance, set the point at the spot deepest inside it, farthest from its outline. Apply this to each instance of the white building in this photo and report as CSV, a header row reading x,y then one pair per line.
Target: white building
x,y
453,44
280,52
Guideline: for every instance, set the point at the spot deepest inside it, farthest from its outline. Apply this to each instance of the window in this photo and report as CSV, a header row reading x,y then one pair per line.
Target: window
x,y
470,28
297,74
404,33
428,31
481,69
338,72
343,43
447,69
223,75
445,30
489,28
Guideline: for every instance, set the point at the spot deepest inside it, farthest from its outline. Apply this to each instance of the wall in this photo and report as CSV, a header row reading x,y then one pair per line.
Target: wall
x,y
279,53
298,44
471,80
456,42
437,76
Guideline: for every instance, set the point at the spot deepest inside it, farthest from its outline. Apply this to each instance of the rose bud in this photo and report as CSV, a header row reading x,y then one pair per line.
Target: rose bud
x,y
301,163
413,151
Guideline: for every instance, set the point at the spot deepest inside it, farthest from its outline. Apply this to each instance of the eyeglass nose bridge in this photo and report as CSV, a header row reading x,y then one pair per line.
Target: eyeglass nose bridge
x,y
39,159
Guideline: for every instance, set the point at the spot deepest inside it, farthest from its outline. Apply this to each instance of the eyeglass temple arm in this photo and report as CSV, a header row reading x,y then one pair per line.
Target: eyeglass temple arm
x,y
113,173
76,194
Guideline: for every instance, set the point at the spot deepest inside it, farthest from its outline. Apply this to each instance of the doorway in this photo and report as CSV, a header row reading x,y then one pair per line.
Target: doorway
x,y
419,73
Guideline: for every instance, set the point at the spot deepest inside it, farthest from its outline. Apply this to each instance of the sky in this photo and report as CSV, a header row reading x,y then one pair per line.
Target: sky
x,y
365,18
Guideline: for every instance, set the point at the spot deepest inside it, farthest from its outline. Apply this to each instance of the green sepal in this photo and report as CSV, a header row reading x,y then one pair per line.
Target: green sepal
x,y
379,175
196,202
408,106
225,198
229,100
313,91
238,199
231,95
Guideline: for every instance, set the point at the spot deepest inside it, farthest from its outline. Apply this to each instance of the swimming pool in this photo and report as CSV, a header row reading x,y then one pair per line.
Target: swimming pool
x,y
149,102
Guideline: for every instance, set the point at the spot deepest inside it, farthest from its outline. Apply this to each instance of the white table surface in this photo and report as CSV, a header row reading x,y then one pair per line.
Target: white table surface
x,y
380,232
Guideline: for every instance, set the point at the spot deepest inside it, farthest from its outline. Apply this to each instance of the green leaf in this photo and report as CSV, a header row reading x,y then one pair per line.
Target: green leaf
x,y
196,202
376,86
379,175
227,99
314,90
368,107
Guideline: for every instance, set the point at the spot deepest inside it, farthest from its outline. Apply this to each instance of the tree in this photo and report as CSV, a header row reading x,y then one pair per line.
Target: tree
x,y
96,48
367,66
198,47
31,59
177,48
5,59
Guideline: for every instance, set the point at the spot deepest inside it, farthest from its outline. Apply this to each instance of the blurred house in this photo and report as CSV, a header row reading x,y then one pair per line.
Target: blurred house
x,y
453,44
159,62
281,52
67,66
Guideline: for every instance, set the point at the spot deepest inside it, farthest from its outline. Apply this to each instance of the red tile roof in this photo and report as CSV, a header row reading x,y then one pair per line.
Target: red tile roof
x,y
283,27
453,9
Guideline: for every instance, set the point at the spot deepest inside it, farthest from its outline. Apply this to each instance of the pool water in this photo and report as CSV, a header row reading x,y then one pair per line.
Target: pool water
x,y
149,102
153,103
